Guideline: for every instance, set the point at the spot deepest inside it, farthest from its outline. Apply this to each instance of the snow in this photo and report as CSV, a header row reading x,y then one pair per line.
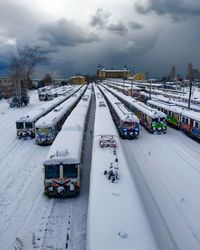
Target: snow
x,y
55,115
169,165
151,112
161,171
120,108
116,217
36,113
172,107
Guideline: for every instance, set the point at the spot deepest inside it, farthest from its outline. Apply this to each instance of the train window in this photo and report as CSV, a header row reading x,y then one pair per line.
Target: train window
x,y
183,119
196,125
19,125
52,171
28,125
187,120
155,120
70,171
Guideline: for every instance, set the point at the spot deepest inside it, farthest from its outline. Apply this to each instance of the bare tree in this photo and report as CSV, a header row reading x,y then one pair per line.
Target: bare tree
x,y
47,79
22,66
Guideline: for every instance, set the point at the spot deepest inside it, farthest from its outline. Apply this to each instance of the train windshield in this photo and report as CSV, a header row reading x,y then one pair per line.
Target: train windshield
x,y
155,120
128,125
70,170
52,171
43,130
19,125
28,125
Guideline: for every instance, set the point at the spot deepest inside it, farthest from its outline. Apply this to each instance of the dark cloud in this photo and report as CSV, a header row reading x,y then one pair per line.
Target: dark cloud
x,y
100,18
65,33
119,28
136,26
178,9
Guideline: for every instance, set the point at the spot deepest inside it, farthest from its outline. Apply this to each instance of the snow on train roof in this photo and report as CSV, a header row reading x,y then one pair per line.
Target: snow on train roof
x,y
59,111
169,100
124,113
116,216
172,107
39,111
151,112
121,85
76,120
66,148
103,115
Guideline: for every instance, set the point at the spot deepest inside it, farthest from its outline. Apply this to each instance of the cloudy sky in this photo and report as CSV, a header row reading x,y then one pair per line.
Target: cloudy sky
x,y
78,35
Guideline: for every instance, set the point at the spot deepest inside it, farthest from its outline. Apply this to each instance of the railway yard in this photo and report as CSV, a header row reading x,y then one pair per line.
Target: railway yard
x,y
154,204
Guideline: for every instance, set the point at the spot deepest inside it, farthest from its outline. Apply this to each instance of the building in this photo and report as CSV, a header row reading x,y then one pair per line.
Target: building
x,y
102,73
6,87
139,77
77,79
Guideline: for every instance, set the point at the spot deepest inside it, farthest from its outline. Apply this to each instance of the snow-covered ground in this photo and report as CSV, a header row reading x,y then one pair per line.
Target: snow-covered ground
x,y
28,219
167,170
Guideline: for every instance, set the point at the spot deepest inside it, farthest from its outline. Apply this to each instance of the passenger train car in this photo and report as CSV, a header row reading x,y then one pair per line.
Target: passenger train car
x,y
25,126
47,127
145,97
186,120
152,119
62,166
116,216
126,122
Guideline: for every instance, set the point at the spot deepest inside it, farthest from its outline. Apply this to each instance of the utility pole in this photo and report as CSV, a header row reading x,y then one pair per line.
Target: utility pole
x,y
190,93
150,90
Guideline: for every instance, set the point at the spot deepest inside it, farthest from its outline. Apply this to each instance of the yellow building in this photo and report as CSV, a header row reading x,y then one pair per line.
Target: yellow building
x,y
139,77
77,80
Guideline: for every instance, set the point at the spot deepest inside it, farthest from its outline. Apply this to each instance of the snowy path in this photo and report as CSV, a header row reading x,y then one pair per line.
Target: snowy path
x,y
169,167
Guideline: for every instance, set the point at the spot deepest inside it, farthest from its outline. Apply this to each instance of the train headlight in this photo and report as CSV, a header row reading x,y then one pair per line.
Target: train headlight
x,y
60,190
50,189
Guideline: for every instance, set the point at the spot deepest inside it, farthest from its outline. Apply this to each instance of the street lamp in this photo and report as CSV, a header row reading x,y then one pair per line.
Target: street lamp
x,y
132,81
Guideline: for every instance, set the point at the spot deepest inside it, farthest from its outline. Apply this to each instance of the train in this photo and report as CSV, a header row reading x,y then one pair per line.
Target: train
x,y
152,119
25,125
48,126
62,166
116,216
127,123
180,118
145,97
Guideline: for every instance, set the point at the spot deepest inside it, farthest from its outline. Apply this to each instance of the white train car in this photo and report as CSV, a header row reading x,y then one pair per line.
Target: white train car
x,y
62,166
47,127
126,121
25,125
145,97
116,216
151,118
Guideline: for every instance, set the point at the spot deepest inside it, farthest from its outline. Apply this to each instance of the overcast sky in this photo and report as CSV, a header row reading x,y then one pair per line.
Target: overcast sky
x,y
77,35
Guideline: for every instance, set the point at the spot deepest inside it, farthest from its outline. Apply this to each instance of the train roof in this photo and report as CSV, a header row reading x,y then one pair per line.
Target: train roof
x,y
169,100
174,108
36,113
103,114
151,112
116,216
66,148
54,116
123,112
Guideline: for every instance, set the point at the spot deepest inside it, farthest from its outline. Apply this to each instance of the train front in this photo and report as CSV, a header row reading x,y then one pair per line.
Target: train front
x,y
130,128
159,124
61,178
25,128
